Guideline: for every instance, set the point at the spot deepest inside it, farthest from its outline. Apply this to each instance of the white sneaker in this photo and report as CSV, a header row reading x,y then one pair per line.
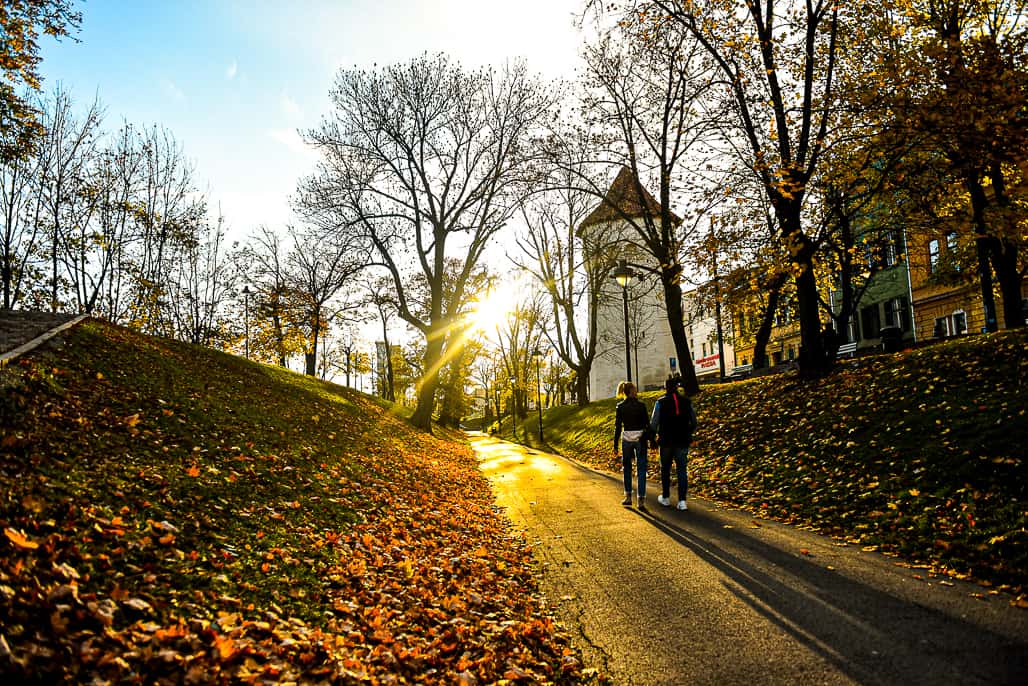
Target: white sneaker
x,y
666,502
682,505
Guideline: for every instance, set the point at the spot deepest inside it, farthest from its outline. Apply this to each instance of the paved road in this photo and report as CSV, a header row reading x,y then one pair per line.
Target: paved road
x,y
711,596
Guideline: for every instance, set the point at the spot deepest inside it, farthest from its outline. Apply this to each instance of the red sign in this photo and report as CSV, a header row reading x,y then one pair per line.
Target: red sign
x,y
708,362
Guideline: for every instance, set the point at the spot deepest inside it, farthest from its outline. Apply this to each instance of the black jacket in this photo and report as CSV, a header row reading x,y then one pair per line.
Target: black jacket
x,y
674,419
630,415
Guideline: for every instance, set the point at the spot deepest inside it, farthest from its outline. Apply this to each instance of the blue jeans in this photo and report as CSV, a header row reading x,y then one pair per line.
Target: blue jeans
x,y
680,456
635,449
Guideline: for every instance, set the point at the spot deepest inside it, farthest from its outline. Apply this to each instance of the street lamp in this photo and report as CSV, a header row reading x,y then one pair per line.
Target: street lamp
x,y
539,390
513,407
623,275
246,319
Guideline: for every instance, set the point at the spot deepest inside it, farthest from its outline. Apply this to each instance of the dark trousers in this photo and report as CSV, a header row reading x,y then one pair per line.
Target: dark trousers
x,y
679,454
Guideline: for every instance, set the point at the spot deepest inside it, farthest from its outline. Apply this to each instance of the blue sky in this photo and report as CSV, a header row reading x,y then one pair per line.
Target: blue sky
x,y
233,80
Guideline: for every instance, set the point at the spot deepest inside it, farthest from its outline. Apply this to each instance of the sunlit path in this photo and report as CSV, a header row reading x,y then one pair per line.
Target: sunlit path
x,y
711,596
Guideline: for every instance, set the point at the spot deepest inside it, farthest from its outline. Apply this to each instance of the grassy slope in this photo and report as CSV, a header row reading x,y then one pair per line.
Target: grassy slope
x,y
920,453
170,511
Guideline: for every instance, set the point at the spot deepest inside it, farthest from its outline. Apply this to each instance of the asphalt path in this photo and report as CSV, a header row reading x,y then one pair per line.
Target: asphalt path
x,y
714,596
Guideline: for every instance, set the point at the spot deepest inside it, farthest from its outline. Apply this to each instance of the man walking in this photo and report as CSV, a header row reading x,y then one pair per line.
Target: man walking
x,y
674,421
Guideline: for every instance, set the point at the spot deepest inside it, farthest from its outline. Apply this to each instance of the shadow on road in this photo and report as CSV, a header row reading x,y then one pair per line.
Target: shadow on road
x,y
868,620
871,635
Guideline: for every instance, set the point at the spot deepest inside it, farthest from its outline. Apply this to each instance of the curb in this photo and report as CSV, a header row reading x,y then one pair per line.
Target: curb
x,y
12,355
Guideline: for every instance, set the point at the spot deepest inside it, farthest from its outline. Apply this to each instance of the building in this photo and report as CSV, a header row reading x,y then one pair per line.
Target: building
x,y
783,345
652,350
947,300
887,300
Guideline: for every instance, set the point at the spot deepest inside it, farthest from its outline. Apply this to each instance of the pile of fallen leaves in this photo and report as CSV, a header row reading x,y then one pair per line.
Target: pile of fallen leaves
x,y
919,453
175,515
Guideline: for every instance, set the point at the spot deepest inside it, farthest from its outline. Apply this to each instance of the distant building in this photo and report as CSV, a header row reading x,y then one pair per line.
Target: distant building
x,y
886,302
947,302
783,344
608,236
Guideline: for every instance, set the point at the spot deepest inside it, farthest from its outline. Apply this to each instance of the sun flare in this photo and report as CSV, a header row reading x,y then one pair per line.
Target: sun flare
x,y
492,308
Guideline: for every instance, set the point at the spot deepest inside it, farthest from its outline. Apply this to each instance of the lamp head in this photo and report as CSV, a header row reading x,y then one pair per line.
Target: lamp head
x,y
623,274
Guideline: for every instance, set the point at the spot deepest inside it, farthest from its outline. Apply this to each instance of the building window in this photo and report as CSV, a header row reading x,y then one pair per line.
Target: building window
x,y
933,255
959,322
953,325
870,321
893,248
897,313
951,249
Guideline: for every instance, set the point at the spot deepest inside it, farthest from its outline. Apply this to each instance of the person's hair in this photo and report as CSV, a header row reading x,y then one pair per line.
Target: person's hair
x,y
624,387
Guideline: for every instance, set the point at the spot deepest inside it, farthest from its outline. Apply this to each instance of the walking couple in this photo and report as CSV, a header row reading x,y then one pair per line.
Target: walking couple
x,y
671,427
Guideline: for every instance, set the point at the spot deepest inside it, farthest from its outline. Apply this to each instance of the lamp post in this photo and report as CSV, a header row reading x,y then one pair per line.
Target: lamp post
x,y
246,320
623,275
513,407
539,390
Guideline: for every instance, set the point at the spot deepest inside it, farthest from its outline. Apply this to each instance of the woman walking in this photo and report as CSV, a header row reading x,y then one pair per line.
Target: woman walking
x,y
674,421
631,423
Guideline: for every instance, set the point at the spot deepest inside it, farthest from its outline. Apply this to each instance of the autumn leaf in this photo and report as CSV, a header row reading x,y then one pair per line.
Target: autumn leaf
x,y
19,539
225,646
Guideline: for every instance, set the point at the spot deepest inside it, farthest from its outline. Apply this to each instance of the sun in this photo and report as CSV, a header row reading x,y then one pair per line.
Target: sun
x,y
492,308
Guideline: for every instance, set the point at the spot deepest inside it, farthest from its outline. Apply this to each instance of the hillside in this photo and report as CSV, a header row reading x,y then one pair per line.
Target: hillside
x,y
171,513
920,454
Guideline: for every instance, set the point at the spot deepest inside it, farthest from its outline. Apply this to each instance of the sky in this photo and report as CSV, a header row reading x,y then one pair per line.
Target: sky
x,y
234,81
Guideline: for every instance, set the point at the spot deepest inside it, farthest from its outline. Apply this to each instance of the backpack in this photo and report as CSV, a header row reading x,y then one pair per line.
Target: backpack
x,y
677,419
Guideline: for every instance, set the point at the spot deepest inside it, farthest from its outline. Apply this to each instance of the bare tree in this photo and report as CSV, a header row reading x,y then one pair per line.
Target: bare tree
x,y
648,93
425,162
571,267
518,337
67,148
101,265
263,266
318,268
382,299
168,213
21,207
200,285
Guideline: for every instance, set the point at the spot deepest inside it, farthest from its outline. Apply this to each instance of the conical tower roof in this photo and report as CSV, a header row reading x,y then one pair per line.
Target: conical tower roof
x,y
625,198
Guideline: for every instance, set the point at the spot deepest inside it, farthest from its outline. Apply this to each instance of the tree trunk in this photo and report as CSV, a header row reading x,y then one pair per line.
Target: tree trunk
x,y
1005,254
813,361
676,321
1004,259
390,383
422,417
582,387
767,321
813,358
979,203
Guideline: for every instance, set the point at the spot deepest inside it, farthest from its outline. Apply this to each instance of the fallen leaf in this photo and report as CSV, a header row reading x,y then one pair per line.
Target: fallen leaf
x,y
20,540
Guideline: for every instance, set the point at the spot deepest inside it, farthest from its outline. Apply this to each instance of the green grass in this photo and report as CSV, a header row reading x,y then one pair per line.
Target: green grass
x,y
920,454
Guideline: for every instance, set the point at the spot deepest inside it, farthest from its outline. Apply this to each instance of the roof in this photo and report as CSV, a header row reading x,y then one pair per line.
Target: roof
x,y
623,200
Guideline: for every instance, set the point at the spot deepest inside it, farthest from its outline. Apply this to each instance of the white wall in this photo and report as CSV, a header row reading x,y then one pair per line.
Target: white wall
x,y
657,347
